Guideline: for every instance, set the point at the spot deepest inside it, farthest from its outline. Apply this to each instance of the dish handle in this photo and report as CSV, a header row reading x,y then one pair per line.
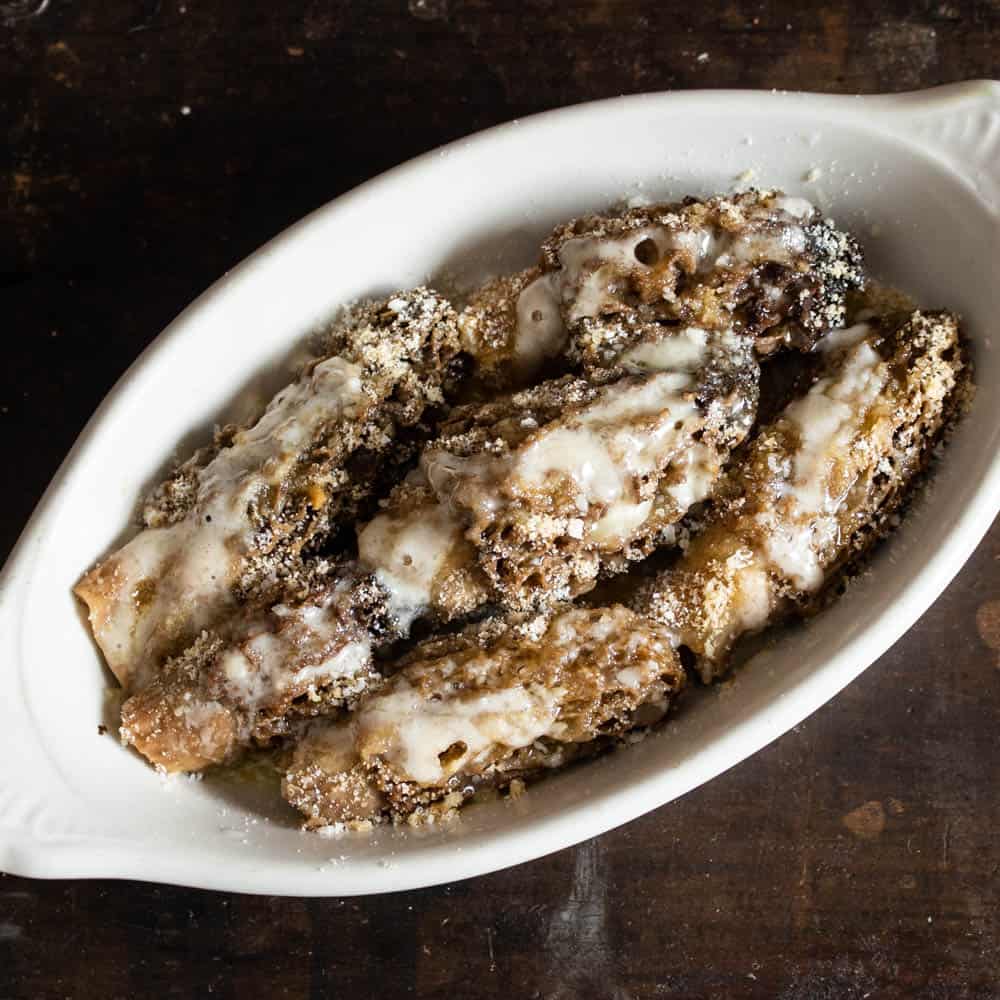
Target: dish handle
x,y
32,792
958,124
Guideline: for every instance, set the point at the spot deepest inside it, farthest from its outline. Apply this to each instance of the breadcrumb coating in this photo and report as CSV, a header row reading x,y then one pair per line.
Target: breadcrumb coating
x,y
511,699
460,535
232,525
501,702
818,486
759,262
254,682
613,387
554,482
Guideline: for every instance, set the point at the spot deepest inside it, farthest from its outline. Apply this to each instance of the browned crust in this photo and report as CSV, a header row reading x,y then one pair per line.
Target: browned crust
x,y
930,377
406,349
360,782
776,304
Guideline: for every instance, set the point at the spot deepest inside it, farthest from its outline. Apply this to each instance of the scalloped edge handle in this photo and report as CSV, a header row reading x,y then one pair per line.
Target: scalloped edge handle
x,y
958,124
23,787
33,794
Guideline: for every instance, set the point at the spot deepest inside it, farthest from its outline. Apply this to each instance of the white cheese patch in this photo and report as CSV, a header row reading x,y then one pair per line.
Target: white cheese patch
x,y
827,421
407,553
418,731
192,565
683,350
798,208
601,450
620,522
593,268
700,470
837,340
310,650
541,332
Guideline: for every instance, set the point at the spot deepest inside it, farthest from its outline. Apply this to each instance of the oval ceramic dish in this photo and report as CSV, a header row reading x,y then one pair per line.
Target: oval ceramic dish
x,y
916,176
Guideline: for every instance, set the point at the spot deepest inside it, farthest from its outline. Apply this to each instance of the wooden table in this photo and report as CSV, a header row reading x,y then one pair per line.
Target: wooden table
x,y
154,143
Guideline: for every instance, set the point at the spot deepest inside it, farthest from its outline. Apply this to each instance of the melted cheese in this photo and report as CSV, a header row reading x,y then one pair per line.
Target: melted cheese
x,y
798,208
601,450
310,650
827,421
188,569
780,247
541,332
458,715
576,453
752,600
619,523
700,470
406,554
347,663
590,267
593,267
837,340
794,550
413,733
683,350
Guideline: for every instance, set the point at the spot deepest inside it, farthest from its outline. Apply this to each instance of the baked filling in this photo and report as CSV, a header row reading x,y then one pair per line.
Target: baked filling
x,y
816,487
497,462
233,523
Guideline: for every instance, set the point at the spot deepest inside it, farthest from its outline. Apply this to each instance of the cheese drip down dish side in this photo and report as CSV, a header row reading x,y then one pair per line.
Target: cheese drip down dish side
x,y
817,488
497,460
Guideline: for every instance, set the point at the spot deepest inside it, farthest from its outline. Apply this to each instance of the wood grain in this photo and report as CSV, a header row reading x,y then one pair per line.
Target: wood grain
x,y
154,143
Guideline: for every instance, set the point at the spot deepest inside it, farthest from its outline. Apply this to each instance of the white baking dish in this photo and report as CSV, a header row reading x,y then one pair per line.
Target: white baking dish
x,y
917,176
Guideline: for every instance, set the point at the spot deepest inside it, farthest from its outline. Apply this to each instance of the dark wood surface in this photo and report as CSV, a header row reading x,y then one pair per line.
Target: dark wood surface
x,y
151,144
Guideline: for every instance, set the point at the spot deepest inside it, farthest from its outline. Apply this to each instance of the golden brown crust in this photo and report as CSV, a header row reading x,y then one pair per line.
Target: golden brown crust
x,y
766,554
225,693
765,265
520,503
406,348
509,700
234,530
99,590
541,532
489,331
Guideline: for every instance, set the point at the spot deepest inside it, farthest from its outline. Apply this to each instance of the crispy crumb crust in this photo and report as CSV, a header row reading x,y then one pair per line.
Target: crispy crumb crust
x,y
789,302
786,291
404,353
606,670
223,693
534,542
488,326
928,382
460,587
189,717
915,349
609,672
408,360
